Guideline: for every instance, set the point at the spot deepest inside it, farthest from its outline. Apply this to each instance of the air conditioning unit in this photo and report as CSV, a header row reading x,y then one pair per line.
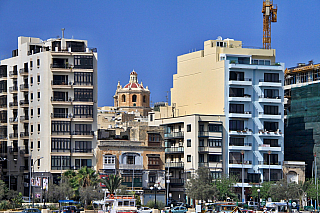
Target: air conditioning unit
x,y
70,99
180,144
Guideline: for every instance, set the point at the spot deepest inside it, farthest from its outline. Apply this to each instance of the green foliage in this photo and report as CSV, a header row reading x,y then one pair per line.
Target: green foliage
x,y
3,189
310,188
112,182
284,190
224,186
122,190
4,205
201,187
160,205
61,191
264,190
89,193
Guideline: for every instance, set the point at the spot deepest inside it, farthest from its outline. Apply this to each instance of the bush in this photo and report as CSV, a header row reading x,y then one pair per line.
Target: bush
x,y
160,205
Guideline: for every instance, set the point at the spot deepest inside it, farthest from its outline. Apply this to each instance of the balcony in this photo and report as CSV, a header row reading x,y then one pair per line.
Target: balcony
x,y
268,116
242,82
13,89
13,135
24,134
267,147
176,181
13,104
174,135
264,83
203,164
13,74
109,166
24,87
12,150
175,164
244,146
77,150
61,67
24,118
135,184
130,166
273,165
60,100
246,132
61,84
61,116
238,164
174,150
24,71
91,133
272,99
24,103
209,134
3,91
156,167
245,114
246,97
266,133
13,119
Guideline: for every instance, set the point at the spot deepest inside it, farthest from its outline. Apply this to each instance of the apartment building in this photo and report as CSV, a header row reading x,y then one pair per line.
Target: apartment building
x,y
242,88
48,111
138,159
302,116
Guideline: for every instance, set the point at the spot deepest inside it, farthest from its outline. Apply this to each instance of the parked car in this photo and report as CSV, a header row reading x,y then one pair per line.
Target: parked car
x,y
70,209
183,204
144,210
172,201
32,210
177,209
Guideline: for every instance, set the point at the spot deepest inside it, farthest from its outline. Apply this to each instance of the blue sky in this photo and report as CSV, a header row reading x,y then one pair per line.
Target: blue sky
x,y
147,36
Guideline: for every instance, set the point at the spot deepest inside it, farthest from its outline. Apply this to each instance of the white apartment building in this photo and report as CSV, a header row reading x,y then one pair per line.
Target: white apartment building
x,y
243,87
48,111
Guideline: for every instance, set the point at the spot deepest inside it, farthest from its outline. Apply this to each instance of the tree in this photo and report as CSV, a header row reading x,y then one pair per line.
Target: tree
x,y
284,190
264,190
310,188
225,187
89,193
201,187
3,189
112,182
61,191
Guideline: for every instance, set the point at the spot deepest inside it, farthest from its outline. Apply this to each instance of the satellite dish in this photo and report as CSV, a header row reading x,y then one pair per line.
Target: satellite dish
x,y
219,38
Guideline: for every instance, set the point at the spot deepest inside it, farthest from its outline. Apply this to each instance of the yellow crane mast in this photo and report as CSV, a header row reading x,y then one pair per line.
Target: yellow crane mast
x,y
269,15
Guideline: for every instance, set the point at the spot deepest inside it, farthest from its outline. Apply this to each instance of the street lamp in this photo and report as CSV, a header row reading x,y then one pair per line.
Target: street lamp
x,y
33,180
242,155
269,153
155,187
258,190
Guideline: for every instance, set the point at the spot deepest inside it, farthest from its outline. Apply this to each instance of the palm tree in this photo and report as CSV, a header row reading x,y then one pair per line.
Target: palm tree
x,y
112,183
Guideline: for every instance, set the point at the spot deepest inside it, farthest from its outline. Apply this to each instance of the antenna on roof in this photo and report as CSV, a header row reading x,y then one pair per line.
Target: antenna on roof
x,y
62,29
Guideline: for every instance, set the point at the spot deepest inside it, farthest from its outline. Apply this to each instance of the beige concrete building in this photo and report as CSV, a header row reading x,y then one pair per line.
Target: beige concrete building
x,y
243,89
294,171
133,97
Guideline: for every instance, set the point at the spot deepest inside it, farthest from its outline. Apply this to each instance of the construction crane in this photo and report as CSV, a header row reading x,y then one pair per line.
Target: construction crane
x,y
269,15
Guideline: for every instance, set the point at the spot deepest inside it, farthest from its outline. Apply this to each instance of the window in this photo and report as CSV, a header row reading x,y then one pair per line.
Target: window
x,y
83,146
271,142
153,139
38,144
188,143
31,96
271,126
214,158
60,113
235,125
38,79
79,163
31,145
144,99
31,112
109,159
31,128
130,159
236,141
123,98
83,95
83,78
271,93
273,159
134,98
236,108
39,162
214,142
201,158
236,92
38,95
38,62
83,62
271,77
236,76
60,96
261,62
83,129
189,128
215,127
60,162
154,161
38,112
201,142
38,127
83,111
221,44
271,110
60,127
188,158
60,144
31,64
151,117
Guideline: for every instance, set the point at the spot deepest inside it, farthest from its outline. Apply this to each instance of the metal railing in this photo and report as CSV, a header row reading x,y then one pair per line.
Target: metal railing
x,y
23,102
271,97
173,134
275,81
175,164
24,71
12,104
13,89
246,162
244,79
82,133
77,150
174,149
240,144
24,86
24,118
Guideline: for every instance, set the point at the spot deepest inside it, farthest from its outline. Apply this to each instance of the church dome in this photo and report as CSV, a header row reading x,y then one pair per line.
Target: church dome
x,y
133,83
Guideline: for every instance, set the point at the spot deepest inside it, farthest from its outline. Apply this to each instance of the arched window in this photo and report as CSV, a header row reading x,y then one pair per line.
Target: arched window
x,y
144,99
123,98
134,98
